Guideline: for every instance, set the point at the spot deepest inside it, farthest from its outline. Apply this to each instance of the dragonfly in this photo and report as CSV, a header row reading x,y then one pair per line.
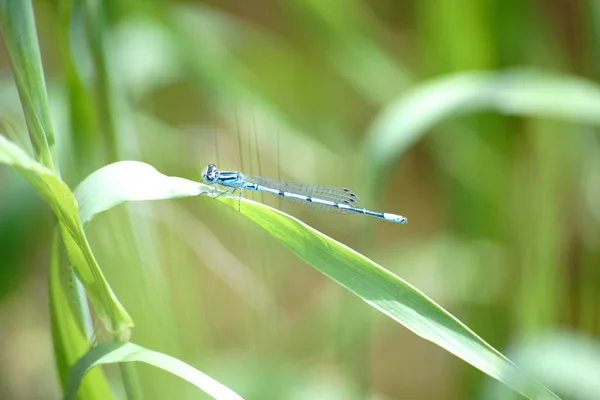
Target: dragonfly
x,y
332,198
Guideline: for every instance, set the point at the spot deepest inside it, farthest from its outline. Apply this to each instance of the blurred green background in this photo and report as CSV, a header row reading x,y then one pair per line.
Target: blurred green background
x,y
475,119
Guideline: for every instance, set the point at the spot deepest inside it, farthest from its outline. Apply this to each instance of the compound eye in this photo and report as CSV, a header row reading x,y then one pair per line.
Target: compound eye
x,y
210,173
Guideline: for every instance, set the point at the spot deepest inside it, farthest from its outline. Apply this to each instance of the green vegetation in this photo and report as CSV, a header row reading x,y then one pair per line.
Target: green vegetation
x,y
476,120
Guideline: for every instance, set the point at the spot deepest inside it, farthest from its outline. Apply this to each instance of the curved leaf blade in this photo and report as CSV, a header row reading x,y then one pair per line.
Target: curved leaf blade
x,y
518,92
374,284
117,352
60,199
124,181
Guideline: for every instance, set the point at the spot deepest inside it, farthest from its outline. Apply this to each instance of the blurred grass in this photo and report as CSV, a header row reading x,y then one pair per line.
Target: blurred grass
x,y
295,90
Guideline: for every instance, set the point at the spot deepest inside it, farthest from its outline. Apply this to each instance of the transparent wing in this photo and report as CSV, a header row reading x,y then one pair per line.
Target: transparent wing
x,y
330,193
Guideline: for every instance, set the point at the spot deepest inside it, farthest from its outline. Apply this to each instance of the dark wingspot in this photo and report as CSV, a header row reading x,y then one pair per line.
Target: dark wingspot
x,y
280,193
309,199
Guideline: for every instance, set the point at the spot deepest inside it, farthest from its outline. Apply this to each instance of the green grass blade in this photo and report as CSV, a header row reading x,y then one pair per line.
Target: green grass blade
x,y
347,28
68,337
527,93
203,39
17,26
118,352
127,181
94,14
391,295
60,199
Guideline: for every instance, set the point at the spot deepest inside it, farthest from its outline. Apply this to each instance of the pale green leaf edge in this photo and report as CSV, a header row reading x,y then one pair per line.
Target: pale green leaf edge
x,y
521,92
118,352
135,181
392,296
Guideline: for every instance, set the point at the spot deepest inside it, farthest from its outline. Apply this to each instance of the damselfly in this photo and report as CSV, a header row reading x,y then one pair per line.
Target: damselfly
x,y
334,198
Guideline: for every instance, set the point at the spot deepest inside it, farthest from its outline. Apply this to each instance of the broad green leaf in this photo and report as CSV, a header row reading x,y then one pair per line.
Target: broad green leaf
x,y
118,352
60,199
375,285
17,26
521,92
